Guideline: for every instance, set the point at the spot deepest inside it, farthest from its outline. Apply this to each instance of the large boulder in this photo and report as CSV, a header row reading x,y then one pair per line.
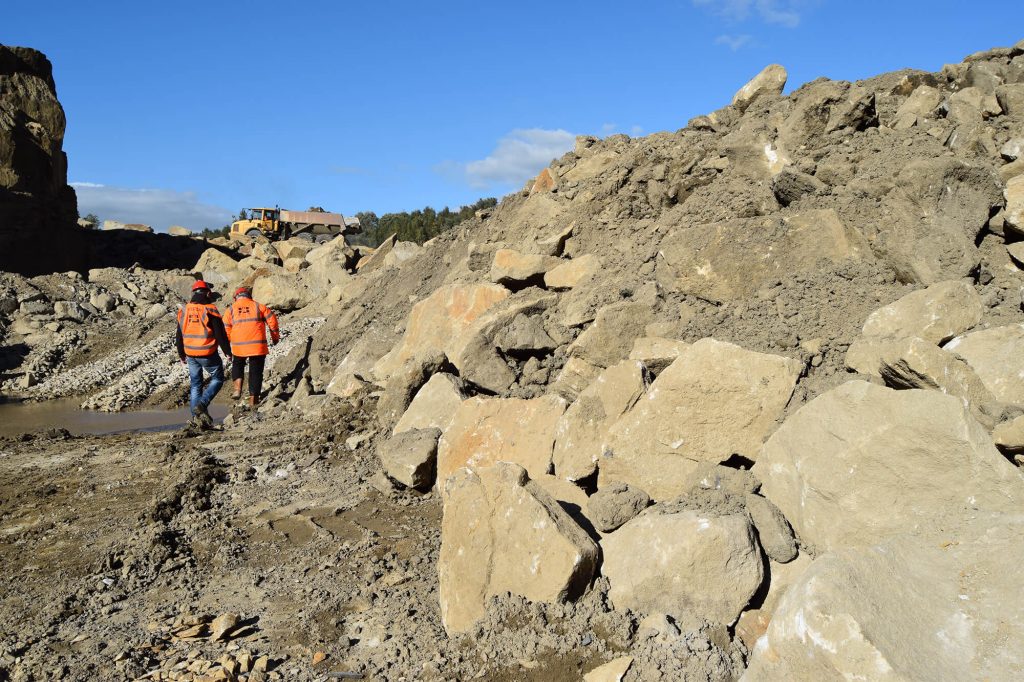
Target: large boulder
x,y
683,561
863,462
434,404
568,274
610,337
715,401
997,356
503,533
281,292
942,607
581,432
217,268
484,431
410,457
935,314
517,270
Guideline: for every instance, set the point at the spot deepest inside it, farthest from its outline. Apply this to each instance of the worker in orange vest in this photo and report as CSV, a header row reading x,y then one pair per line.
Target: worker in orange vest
x,y
200,331
247,322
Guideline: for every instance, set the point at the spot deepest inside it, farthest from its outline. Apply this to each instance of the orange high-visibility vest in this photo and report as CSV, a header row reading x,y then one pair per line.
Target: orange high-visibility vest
x,y
196,335
246,323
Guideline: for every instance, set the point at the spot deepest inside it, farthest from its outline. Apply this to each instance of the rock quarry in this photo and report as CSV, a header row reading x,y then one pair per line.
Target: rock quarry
x,y
740,401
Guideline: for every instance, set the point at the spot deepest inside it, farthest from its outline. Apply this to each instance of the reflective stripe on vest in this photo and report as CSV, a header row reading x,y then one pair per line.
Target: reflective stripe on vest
x,y
196,335
247,330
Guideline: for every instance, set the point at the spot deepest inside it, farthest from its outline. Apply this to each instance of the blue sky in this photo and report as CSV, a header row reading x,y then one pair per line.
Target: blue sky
x,y
184,112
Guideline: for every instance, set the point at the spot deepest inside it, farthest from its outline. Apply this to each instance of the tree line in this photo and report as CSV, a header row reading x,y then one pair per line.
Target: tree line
x,y
415,226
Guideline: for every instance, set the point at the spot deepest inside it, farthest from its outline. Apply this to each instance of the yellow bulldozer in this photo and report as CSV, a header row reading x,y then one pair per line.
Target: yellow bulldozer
x,y
277,223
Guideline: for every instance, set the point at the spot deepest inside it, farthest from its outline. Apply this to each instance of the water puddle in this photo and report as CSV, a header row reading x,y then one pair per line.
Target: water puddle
x,y
17,418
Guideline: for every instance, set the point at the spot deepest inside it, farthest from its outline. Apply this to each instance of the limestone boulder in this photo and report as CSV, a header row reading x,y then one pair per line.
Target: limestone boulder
x,y
935,314
715,401
403,385
569,274
863,462
484,431
402,252
945,606
434,404
683,561
503,533
517,270
525,336
1009,436
280,292
70,310
179,231
410,457
1014,211
612,671
996,356
791,185
293,248
582,430
377,259
657,352
773,531
768,83
216,267
921,105
615,504
1011,98
610,337
575,375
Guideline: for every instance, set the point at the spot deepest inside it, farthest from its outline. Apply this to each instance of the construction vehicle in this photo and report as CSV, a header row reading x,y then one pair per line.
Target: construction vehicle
x,y
277,223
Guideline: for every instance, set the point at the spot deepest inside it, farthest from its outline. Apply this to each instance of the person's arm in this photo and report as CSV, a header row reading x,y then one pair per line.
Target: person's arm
x,y
179,342
271,318
217,326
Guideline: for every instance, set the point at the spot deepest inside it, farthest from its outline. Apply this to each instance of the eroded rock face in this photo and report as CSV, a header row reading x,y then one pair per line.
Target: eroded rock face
x,y
37,207
862,462
502,532
685,561
484,431
714,401
941,607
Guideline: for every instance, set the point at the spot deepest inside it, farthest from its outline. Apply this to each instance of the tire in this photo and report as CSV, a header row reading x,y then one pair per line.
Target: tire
x,y
323,238
307,236
253,233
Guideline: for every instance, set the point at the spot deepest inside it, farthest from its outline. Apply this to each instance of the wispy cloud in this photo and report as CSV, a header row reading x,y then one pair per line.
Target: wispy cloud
x,y
781,12
517,156
159,208
734,43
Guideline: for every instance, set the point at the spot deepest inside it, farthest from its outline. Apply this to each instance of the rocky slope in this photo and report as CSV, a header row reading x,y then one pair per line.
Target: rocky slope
x,y
742,400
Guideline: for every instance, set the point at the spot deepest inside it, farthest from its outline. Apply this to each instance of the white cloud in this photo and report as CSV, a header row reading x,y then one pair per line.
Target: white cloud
x,y
782,12
734,43
636,131
518,156
159,208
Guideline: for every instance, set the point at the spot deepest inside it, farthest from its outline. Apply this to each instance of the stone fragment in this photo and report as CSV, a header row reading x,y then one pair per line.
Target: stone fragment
x,y
103,302
1016,252
582,430
517,270
544,182
1014,211
1011,98
222,626
569,274
525,336
293,248
403,384
1009,436
862,462
410,457
935,314
575,375
610,337
434,404
711,476
768,83
657,353
401,252
791,185
715,401
773,530
921,105
1012,149
70,310
945,606
216,267
376,260
488,430
615,504
280,292
754,622
502,533
997,356
612,671
683,562
856,112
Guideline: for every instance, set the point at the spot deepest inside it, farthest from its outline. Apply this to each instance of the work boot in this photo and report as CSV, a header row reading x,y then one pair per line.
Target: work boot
x,y
204,418
237,392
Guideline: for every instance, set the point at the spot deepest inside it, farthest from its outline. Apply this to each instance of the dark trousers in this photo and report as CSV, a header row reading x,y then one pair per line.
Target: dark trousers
x,y
256,363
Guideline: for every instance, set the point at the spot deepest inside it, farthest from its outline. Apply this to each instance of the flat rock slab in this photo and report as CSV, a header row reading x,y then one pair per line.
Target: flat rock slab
x,y
715,400
863,462
502,533
935,314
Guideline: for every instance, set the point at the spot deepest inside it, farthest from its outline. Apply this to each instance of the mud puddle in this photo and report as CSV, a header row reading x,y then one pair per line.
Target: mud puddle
x,y
17,418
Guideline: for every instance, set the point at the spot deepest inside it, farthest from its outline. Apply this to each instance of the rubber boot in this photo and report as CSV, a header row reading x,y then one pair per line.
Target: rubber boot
x,y
254,401
237,392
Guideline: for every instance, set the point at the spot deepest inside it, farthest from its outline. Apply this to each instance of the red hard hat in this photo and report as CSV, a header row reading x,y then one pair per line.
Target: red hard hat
x,y
199,284
242,290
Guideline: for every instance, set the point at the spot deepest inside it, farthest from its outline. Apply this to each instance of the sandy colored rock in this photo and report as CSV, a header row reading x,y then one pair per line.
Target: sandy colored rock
x,y
544,182
862,462
222,625
439,319
657,352
612,671
935,314
179,231
582,430
773,531
280,292
683,562
514,269
610,337
995,355
768,83
940,607
376,260
921,105
484,431
1009,436
573,378
753,623
615,504
714,401
293,248
1014,211
410,457
568,274
502,533
434,404
216,267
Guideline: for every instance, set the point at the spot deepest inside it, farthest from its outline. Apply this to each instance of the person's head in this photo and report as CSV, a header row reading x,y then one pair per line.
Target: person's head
x,y
243,292
201,290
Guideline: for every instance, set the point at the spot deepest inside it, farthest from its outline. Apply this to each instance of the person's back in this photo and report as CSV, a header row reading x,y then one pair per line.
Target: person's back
x,y
247,322
199,331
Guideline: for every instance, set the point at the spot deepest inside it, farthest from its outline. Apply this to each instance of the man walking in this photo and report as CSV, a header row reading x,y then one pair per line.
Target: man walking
x,y
200,331
247,322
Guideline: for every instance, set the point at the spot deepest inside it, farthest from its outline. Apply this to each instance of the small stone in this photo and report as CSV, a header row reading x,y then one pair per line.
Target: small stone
x,y
222,625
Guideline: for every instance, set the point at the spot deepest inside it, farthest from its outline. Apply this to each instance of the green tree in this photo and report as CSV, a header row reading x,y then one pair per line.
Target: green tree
x,y
93,219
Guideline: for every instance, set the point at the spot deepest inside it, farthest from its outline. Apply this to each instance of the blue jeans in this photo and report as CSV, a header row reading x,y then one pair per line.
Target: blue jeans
x,y
197,397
